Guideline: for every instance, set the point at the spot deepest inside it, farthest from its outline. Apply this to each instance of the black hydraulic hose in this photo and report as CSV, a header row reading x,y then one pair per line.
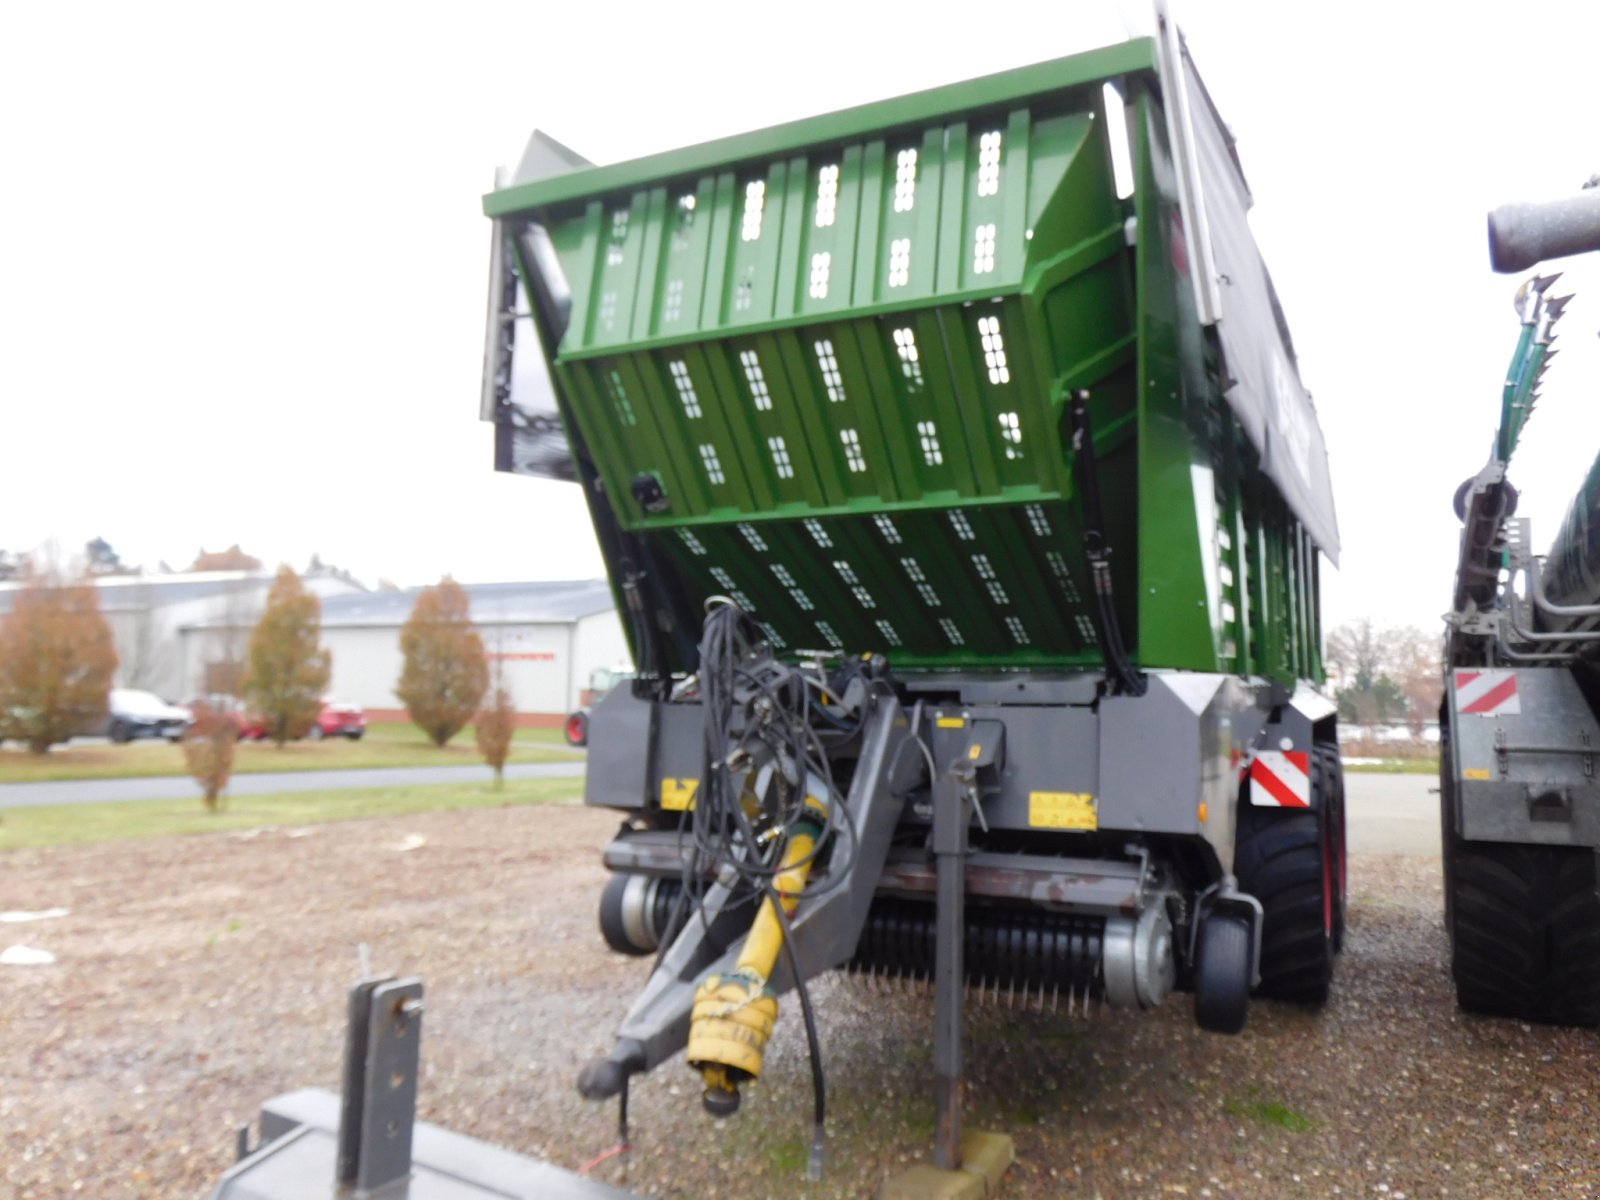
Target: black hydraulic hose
x,y
819,1082
723,832
643,628
1108,631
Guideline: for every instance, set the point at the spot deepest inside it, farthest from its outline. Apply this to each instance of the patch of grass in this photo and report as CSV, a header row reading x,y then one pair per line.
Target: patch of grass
x,y
386,744
66,824
403,733
788,1157
1252,1107
1394,766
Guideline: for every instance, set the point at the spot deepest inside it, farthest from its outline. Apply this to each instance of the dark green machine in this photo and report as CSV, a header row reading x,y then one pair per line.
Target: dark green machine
x,y
1520,723
1000,488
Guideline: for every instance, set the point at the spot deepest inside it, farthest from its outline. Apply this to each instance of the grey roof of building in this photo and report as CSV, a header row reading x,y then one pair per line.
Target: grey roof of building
x,y
537,603
134,593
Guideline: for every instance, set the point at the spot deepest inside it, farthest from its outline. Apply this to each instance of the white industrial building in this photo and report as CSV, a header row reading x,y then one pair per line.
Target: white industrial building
x,y
547,637
146,612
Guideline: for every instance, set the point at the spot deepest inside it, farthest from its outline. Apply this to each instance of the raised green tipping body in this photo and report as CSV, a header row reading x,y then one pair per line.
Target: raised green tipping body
x,y
824,369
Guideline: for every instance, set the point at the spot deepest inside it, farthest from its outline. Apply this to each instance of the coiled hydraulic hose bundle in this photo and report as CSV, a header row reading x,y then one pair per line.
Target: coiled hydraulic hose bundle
x,y
766,809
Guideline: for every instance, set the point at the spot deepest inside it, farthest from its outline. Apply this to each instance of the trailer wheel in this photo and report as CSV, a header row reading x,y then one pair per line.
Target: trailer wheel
x,y
639,912
1222,966
1447,827
1336,842
1282,859
1524,931
576,729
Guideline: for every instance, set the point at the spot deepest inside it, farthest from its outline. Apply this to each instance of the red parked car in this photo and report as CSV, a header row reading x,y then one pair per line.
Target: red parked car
x,y
335,720
339,720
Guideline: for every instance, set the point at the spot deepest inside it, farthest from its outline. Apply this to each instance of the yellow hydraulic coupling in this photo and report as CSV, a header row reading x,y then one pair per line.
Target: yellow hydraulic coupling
x,y
734,1013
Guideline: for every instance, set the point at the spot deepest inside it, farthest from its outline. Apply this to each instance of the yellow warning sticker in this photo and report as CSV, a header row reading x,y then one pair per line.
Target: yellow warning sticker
x,y
974,751
678,794
1063,810
951,723
1476,773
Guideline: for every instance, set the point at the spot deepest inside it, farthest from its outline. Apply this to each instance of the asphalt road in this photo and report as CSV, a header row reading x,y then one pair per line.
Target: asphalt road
x,y
1388,814
181,787
1392,814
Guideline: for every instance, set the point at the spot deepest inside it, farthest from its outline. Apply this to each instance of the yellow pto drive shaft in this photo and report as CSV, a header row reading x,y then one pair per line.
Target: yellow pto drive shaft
x,y
734,1013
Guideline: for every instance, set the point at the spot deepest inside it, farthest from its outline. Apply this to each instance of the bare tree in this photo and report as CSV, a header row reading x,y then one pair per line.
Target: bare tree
x,y
1415,665
231,559
1384,673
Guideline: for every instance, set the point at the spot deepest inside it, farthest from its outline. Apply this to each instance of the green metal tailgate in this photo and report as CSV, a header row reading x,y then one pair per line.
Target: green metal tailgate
x,y
823,369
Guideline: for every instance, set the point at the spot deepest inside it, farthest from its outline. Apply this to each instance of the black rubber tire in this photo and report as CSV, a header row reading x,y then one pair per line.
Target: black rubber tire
x,y
1222,964
1525,931
577,729
1334,816
120,734
1447,825
611,925
356,736
1278,859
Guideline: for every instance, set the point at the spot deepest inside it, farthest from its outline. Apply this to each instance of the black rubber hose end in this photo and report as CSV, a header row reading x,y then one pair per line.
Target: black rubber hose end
x,y
720,1102
601,1079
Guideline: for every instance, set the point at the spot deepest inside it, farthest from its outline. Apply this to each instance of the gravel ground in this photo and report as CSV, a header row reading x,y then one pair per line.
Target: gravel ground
x,y
198,976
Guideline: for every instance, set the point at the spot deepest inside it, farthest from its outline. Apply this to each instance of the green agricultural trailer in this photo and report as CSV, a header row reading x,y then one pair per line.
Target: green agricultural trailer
x,y
958,487
1520,722
964,505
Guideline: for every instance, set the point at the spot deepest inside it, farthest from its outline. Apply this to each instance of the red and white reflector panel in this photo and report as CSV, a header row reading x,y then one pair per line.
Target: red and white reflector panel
x,y
1487,693
1281,778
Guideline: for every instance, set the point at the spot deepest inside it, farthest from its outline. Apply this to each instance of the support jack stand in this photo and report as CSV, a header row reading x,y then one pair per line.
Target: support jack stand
x,y
966,1165
368,1144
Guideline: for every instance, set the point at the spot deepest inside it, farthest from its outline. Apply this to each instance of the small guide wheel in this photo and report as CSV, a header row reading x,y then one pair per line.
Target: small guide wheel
x,y
1222,969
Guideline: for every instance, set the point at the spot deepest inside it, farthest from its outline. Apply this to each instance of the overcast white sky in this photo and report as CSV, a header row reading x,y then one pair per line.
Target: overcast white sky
x,y
242,259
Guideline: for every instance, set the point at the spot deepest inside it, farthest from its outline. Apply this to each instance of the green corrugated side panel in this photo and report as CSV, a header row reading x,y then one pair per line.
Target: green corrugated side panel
x,y
922,363
967,612
937,215
1286,629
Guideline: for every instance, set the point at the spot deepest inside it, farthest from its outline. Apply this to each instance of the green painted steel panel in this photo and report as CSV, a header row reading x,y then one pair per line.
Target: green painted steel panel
x,y
844,348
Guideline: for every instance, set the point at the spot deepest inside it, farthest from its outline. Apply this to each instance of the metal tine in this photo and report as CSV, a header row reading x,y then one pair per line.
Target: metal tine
x,y
1055,996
